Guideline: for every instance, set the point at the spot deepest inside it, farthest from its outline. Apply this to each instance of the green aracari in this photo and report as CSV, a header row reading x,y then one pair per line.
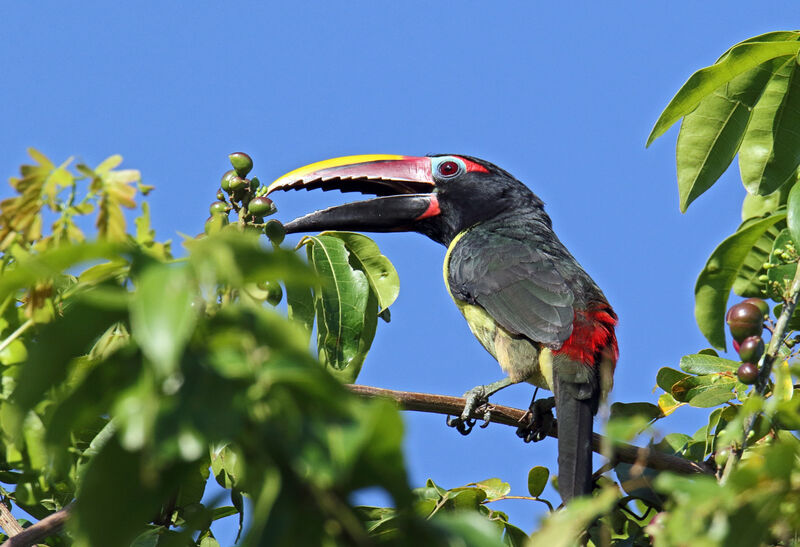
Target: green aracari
x,y
524,296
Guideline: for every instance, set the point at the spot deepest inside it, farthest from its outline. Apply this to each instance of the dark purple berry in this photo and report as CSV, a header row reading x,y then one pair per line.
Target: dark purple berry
x,y
751,349
744,319
747,373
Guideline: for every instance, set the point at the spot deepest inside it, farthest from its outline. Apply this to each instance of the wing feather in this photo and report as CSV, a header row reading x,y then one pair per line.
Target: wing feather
x,y
516,281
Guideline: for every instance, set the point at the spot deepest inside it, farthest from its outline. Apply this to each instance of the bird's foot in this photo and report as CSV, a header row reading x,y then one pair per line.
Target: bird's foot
x,y
539,420
477,399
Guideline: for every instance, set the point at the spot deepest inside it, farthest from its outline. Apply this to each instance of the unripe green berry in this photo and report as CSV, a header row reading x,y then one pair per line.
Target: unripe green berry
x,y
273,290
220,195
275,231
241,162
215,223
261,206
225,183
238,183
218,207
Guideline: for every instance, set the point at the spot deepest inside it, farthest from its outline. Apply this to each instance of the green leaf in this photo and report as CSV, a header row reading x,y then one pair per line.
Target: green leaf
x,y
739,59
747,281
222,512
707,364
668,377
668,404
162,317
13,353
235,258
754,205
674,443
97,519
715,281
300,306
710,135
48,363
227,466
349,374
466,499
705,391
494,488
793,214
52,263
781,274
537,480
238,502
768,155
341,302
365,255
562,527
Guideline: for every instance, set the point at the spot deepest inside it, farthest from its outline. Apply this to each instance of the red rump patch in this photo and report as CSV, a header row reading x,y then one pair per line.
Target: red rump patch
x,y
472,166
592,333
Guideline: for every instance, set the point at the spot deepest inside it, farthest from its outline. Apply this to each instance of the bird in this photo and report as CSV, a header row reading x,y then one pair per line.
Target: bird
x,y
524,296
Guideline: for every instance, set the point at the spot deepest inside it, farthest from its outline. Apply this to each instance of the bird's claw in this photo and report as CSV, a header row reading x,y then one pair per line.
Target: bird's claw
x,y
540,420
487,415
476,399
462,426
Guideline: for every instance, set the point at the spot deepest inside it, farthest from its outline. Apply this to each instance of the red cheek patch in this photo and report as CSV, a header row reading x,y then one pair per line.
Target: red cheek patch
x,y
432,210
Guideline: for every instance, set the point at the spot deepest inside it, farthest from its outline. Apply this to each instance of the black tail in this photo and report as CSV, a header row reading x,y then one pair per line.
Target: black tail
x,y
574,410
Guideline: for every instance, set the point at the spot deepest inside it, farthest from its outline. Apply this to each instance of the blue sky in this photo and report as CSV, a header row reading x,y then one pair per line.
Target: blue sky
x,y
561,95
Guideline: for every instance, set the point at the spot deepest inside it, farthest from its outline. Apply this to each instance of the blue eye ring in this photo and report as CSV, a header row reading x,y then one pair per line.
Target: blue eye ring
x,y
448,169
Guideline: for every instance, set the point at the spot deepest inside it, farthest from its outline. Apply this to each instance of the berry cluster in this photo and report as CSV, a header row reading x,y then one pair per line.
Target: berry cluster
x,y
246,197
746,323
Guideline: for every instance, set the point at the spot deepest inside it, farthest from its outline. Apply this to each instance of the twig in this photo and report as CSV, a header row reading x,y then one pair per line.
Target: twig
x,y
444,404
39,531
7,521
16,334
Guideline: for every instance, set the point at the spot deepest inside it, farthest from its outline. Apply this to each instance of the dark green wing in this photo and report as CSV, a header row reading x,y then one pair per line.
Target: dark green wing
x,y
513,278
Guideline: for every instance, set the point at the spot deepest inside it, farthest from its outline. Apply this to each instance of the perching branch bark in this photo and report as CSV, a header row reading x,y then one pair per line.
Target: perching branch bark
x,y
39,531
444,404
7,521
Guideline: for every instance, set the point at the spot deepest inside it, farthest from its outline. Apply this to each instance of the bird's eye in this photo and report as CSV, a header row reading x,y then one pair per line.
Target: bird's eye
x,y
448,168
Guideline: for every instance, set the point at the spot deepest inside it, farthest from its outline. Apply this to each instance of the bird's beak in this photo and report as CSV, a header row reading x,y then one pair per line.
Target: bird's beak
x,y
405,184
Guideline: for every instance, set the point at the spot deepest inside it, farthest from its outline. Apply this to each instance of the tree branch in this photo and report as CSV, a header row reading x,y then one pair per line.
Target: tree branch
x,y
7,521
444,404
39,531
